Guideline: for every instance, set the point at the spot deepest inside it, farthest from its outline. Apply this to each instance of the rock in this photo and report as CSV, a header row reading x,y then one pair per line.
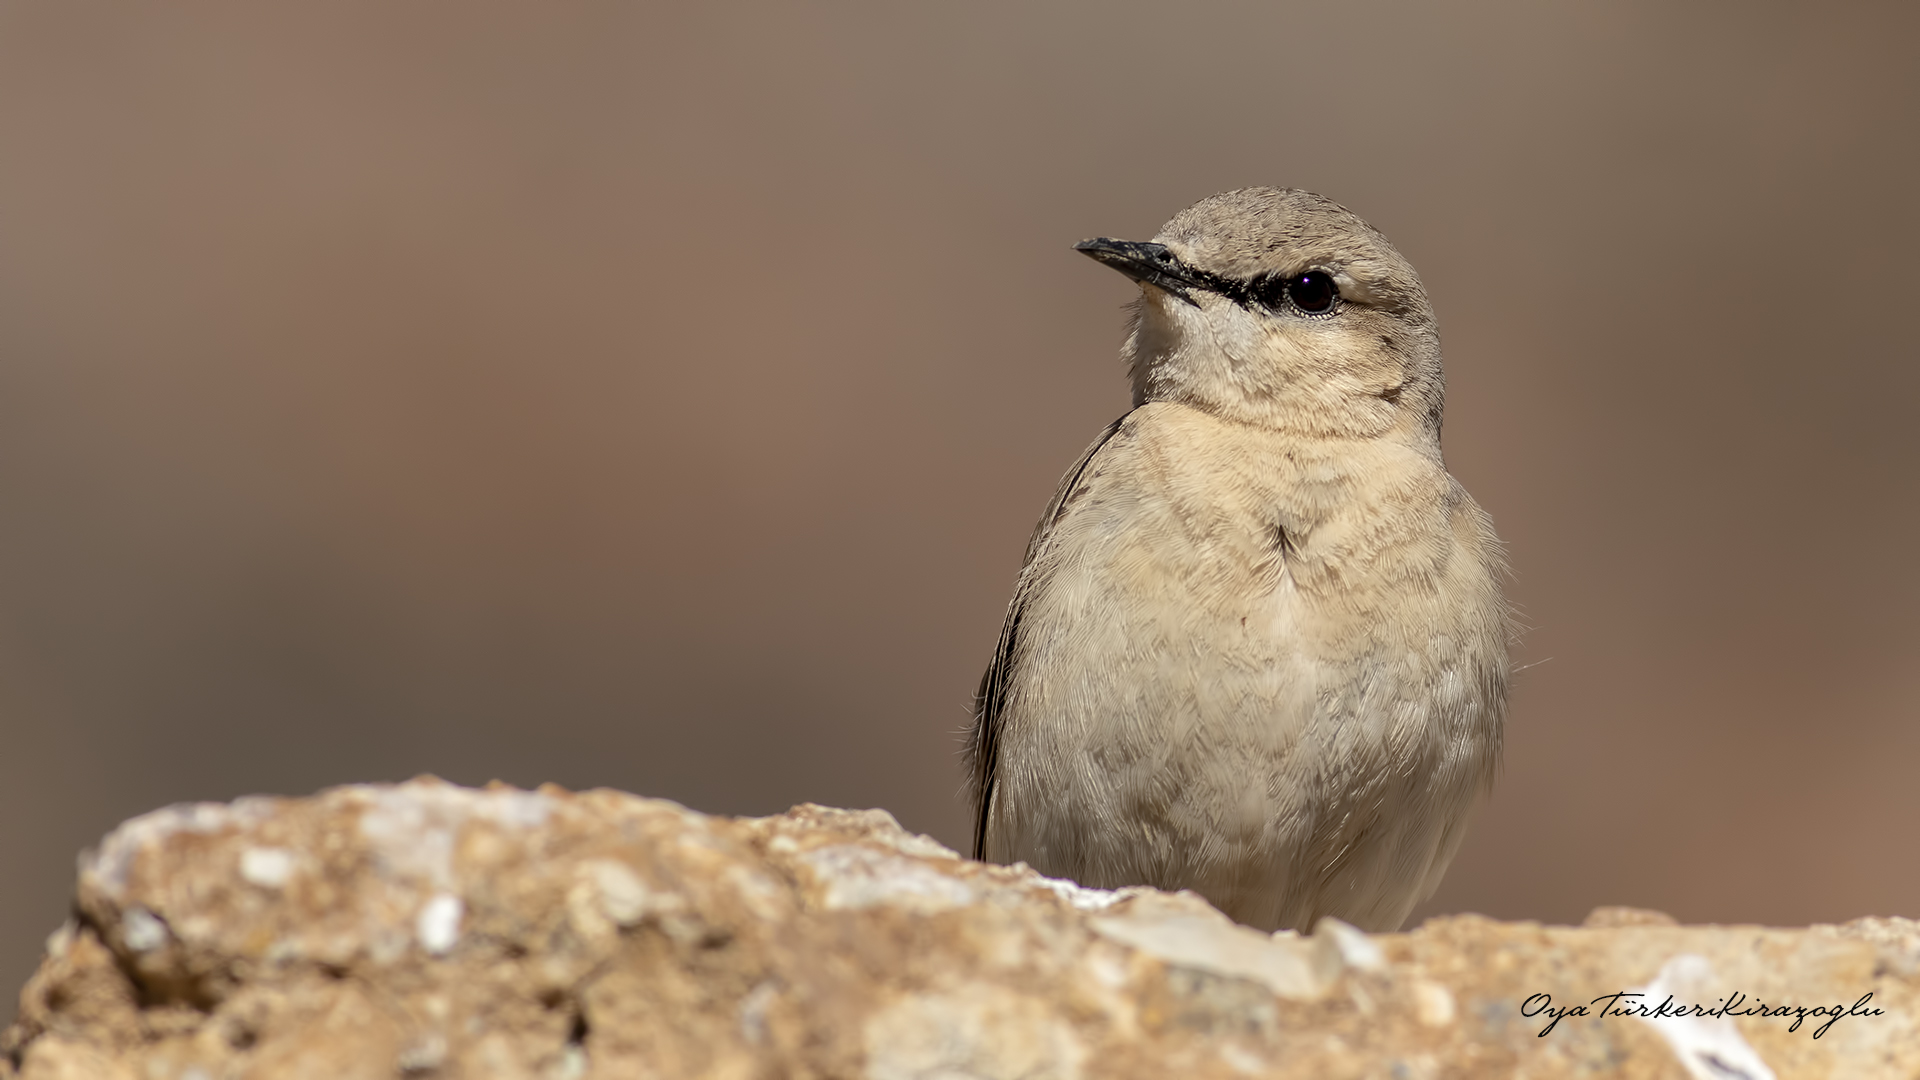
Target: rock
x,y
1602,918
427,930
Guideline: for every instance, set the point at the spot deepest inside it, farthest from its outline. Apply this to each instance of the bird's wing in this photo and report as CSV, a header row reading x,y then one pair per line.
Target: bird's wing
x,y
990,703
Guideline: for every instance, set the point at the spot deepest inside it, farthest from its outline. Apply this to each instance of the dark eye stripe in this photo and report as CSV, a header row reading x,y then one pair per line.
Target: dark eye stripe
x,y
1312,293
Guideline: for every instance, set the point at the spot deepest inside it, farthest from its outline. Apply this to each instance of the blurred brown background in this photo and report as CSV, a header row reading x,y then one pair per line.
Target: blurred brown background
x,y
659,396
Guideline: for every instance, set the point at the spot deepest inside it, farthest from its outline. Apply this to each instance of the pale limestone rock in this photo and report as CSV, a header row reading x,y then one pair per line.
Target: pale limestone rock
x,y
426,930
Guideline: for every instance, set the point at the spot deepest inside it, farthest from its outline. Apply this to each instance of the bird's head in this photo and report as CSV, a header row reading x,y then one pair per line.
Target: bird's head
x,y
1282,309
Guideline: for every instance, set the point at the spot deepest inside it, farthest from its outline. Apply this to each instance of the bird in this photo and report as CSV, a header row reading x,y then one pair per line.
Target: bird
x,y
1258,646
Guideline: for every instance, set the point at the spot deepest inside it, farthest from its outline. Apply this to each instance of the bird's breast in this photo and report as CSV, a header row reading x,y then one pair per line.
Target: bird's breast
x,y
1229,642
1225,587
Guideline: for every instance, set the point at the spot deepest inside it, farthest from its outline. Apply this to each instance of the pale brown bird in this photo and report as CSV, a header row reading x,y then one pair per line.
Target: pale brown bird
x,y
1258,647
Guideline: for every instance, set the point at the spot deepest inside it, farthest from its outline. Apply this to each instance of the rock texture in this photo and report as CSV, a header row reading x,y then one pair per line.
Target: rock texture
x,y
427,930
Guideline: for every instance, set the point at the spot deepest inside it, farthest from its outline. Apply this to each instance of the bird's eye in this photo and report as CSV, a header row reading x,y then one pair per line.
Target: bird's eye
x,y
1313,292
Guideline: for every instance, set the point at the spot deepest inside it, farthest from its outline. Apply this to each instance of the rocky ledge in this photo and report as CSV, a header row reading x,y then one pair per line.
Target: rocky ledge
x,y
427,930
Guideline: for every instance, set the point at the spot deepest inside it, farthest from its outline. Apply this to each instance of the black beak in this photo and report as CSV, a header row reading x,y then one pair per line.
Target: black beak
x,y
1149,264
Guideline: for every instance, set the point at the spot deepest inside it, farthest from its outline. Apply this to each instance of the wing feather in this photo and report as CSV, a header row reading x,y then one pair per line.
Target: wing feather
x,y
989,706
